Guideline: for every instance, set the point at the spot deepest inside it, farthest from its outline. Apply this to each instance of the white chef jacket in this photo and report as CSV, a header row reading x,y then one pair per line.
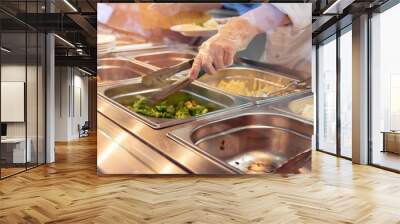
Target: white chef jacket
x,y
287,46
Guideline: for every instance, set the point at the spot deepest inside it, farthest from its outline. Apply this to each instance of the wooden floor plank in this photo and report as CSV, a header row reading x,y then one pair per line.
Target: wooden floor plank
x,y
69,191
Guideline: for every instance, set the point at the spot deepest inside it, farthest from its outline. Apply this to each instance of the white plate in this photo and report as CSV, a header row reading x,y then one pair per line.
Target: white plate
x,y
191,30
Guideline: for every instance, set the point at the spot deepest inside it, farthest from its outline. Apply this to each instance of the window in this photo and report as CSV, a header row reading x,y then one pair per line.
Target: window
x,y
346,93
327,96
385,86
333,137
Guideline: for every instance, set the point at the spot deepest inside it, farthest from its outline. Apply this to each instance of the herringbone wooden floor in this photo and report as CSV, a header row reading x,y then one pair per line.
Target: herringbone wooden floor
x,y
70,192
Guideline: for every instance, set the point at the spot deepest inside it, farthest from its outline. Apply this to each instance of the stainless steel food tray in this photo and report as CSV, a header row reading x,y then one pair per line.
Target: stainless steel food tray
x,y
125,94
164,59
133,50
119,70
259,135
252,77
284,106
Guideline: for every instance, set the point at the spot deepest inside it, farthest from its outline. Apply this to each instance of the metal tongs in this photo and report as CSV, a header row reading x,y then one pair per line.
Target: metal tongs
x,y
296,83
159,79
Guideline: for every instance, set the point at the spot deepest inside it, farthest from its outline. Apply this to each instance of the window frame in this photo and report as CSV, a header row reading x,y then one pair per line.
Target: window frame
x,y
334,37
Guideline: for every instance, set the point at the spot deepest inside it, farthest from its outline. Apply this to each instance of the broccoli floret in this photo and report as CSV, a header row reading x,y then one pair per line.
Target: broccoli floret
x,y
139,103
180,105
171,109
182,113
198,110
161,108
158,114
148,111
168,115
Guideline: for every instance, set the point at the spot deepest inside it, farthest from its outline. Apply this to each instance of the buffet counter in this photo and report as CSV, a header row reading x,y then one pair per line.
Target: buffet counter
x,y
248,131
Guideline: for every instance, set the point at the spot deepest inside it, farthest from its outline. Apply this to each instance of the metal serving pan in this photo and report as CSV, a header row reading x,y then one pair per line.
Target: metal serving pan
x,y
164,59
125,94
132,50
119,70
253,79
258,140
295,106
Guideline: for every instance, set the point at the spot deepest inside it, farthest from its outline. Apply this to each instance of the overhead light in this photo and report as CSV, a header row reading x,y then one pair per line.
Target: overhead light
x,y
80,51
65,41
337,7
84,71
70,5
5,50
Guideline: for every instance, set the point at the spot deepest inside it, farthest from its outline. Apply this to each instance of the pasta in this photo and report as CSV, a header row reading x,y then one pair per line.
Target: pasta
x,y
252,88
303,107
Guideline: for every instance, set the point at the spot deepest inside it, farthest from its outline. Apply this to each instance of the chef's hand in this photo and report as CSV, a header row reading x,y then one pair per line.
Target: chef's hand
x,y
218,51
234,36
214,54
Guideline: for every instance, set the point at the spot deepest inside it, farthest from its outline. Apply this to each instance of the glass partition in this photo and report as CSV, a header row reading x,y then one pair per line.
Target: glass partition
x,y
22,90
327,96
334,94
346,93
385,89
14,145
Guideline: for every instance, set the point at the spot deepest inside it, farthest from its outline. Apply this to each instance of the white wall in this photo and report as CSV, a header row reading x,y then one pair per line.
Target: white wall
x,y
80,84
61,103
12,101
14,73
71,93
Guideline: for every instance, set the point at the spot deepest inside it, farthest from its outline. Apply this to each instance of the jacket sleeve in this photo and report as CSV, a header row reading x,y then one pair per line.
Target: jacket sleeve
x,y
267,16
300,14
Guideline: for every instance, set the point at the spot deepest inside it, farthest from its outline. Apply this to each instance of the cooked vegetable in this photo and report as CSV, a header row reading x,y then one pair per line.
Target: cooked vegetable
x,y
179,105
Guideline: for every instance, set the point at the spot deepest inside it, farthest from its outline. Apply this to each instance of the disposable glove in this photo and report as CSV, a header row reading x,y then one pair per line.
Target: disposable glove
x,y
218,51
